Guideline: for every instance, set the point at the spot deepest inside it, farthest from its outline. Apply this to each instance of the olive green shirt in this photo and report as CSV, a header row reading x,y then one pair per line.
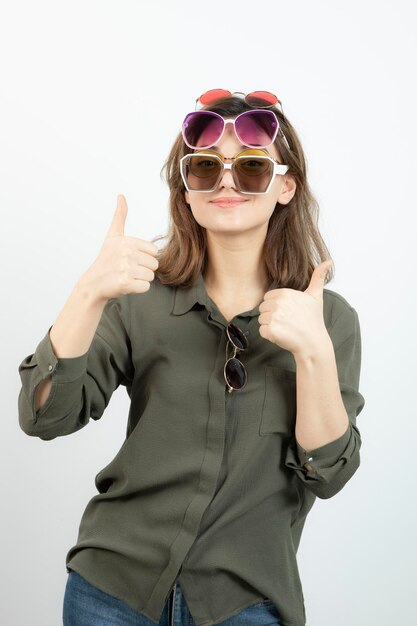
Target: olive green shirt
x,y
210,488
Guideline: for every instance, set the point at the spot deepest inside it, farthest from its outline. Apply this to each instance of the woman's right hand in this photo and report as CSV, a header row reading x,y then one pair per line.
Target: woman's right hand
x,y
124,264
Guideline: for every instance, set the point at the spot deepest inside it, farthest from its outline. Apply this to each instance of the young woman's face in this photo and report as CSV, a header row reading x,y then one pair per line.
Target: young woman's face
x,y
255,210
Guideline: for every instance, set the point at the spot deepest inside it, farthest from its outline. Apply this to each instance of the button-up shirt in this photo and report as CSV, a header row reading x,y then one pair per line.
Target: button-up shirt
x,y
209,488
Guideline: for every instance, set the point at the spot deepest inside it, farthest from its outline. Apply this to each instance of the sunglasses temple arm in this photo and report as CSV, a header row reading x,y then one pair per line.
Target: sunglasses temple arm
x,y
235,351
284,138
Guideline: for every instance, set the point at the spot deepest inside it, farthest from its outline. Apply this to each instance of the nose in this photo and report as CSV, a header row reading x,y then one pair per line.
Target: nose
x,y
227,180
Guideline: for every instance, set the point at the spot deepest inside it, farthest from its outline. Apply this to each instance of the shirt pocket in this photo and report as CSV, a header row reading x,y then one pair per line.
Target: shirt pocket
x,y
279,408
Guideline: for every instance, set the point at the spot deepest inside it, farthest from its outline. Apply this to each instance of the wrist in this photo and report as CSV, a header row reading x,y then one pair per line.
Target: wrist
x,y
322,349
86,290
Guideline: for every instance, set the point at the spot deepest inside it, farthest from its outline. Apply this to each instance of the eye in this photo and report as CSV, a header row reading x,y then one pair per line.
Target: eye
x,y
206,163
204,166
253,163
253,167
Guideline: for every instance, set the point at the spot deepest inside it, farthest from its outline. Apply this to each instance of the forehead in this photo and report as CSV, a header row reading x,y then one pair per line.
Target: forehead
x,y
238,146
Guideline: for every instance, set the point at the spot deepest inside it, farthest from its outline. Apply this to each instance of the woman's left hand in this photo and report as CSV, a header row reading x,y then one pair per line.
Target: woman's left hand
x,y
293,319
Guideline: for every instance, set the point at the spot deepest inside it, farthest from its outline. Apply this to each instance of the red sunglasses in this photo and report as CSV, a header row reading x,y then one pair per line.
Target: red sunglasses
x,y
257,99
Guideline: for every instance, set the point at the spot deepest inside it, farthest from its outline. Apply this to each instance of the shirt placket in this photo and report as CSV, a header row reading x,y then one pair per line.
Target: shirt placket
x,y
208,471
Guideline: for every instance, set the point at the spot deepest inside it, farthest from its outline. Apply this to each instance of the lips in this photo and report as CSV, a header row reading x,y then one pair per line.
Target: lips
x,y
228,201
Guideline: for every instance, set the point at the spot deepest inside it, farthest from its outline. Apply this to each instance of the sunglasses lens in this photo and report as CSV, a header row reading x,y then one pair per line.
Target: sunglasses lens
x,y
201,129
201,172
237,337
257,128
235,373
253,174
213,94
261,98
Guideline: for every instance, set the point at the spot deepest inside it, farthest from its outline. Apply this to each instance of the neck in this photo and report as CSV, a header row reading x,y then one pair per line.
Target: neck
x,y
235,269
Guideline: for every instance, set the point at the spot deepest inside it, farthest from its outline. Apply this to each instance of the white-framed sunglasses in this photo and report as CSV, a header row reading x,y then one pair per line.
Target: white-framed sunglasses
x,y
253,170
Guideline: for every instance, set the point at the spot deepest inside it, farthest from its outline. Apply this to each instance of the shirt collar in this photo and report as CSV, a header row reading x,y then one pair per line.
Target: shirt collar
x,y
186,297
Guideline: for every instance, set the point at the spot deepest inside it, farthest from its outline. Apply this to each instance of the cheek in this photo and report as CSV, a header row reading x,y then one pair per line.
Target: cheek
x,y
199,208
276,189
272,197
265,210
265,205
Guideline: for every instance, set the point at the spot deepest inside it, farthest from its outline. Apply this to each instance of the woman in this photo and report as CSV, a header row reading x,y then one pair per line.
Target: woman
x,y
243,375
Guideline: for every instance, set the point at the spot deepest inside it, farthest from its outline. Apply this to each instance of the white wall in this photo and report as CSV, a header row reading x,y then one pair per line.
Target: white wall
x,y
92,94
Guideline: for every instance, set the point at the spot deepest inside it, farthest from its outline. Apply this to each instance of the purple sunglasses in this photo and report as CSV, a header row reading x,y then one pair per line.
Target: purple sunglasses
x,y
257,128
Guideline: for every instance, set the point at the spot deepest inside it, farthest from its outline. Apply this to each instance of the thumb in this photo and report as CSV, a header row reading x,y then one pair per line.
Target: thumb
x,y
318,277
117,225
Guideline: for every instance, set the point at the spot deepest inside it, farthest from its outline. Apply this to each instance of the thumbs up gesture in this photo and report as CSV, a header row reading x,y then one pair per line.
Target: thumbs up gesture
x,y
293,319
124,264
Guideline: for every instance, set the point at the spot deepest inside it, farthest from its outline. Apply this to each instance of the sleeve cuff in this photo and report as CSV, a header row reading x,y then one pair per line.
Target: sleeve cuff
x,y
327,468
63,369
326,455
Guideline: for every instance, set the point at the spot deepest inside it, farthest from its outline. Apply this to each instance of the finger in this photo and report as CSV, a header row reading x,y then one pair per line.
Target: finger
x,y
272,293
266,305
145,259
117,225
140,272
143,245
265,318
318,278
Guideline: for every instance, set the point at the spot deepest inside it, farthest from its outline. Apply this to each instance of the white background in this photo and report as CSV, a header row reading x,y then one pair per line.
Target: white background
x,y
92,95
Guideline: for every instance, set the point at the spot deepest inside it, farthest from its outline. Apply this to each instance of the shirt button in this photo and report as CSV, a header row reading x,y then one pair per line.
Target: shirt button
x,y
311,458
50,367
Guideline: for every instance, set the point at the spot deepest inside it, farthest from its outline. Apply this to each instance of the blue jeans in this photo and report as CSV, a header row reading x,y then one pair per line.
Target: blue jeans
x,y
85,605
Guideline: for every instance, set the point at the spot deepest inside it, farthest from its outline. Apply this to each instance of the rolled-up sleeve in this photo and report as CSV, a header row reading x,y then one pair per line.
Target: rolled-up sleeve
x,y
81,386
325,470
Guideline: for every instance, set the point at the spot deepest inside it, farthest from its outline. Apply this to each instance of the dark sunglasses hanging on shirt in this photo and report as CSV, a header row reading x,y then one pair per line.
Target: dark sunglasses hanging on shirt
x,y
234,371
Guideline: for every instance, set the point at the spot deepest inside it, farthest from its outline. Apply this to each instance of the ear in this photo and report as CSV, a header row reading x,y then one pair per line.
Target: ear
x,y
288,189
187,197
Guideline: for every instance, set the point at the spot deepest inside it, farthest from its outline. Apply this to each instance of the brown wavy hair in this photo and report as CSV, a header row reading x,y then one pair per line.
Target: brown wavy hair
x,y
293,246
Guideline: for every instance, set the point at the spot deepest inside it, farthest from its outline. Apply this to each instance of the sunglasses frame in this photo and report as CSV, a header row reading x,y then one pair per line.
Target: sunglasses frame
x,y
236,351
279,168
233,121
243,96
